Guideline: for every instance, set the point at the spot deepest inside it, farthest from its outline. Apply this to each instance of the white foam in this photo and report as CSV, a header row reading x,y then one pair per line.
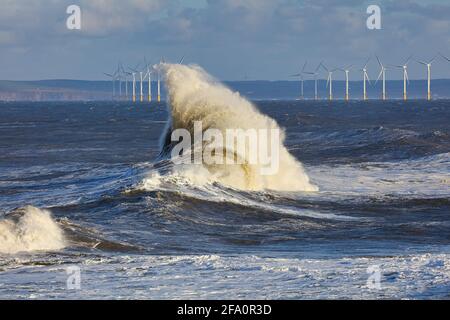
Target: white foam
x,y
30,229
423,177
244,276
200,186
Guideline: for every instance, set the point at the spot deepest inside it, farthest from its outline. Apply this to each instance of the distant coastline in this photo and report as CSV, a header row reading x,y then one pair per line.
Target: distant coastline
x,y
84,90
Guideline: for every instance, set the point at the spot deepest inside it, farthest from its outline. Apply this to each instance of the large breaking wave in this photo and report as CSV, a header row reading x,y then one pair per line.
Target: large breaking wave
x,y
195,96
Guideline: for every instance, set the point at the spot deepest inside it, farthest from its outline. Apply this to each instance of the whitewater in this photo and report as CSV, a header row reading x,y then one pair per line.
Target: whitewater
x,y
195,96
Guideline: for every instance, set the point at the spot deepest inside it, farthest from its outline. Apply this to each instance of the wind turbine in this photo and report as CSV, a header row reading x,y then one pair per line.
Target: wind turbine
x,y
428,65
159,80
126,83
405,77
300,74
330,81
315,73
119,73
365,78
149,76
347,71
133,73
125,76
141,91
383,76
113,78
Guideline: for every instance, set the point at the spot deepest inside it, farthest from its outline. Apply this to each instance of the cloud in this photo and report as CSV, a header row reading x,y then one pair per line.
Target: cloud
x,y
261,38
103,17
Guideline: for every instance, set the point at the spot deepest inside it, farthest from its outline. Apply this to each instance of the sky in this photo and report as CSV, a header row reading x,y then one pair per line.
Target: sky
x,y
231,39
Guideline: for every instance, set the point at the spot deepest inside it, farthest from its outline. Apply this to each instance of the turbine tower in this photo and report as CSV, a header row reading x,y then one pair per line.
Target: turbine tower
x,y
125,76
315,74
365,78
347,71
149,77
119,74
134,86
300,74
113,78
383,76
329,81
159,87
141,92
159,80
405,77
133,73
428,65
126,83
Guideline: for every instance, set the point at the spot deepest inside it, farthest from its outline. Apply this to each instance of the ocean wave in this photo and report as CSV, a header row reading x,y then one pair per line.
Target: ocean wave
x,y
194,186
425,177
30,229
368,144
195,96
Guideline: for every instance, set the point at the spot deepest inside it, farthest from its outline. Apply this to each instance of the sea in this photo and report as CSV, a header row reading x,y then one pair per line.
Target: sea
x,y
89,209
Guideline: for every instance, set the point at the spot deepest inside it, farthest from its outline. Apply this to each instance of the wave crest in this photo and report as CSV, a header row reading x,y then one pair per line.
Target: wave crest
x,y
30,229
193,96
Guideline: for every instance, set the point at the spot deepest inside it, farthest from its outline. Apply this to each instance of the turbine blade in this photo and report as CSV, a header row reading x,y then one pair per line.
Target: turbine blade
x,y
321,63
379,76
407,60
135,69
379,62
444,57
304,66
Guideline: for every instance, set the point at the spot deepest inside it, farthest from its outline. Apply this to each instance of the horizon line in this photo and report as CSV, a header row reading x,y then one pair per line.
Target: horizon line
x,y
243,80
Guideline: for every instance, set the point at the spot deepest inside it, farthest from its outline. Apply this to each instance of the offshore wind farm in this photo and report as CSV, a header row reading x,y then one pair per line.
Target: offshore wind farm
x,y
302,74
142,83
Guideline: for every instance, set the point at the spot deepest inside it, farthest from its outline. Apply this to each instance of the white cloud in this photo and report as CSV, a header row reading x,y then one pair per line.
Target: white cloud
x,y
244,34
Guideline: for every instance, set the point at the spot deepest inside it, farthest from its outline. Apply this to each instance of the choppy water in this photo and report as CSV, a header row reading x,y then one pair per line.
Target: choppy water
x,y
383,170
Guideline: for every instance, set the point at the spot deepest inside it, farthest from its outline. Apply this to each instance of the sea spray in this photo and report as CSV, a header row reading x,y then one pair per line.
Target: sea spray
x,y
194,96
30,229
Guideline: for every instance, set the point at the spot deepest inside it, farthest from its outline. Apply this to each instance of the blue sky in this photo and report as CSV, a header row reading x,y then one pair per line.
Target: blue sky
x,y
232,39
